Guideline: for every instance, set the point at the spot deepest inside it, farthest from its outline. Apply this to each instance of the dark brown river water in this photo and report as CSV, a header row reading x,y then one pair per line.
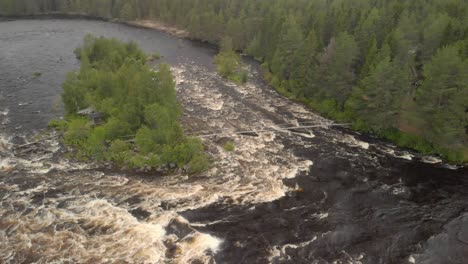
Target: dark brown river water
x,y
317,195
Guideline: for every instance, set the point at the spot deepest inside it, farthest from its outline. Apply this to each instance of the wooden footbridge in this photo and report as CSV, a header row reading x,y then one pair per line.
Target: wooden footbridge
x,y
276,128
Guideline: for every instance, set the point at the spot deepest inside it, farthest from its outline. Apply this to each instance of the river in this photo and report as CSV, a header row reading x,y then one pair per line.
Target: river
x,y
315,195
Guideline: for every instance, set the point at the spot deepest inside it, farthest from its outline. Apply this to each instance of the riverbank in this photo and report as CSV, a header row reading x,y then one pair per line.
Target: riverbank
x,y
284,195
174,31
399,138
396,136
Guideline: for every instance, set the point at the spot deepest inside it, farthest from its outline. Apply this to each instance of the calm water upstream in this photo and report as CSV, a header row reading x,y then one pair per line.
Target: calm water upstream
x,y
317,195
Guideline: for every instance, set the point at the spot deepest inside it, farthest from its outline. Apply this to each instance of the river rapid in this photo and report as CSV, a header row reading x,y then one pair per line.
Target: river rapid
x,y
316,195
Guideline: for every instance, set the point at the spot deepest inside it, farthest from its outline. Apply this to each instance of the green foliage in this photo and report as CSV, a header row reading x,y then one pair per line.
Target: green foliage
x,y
135,101
229,64
379,95
58,124
145,140
407,140
182,153
153,57
444,97
375,63
229,146
198,164
77,132
119,152
290,40
95,143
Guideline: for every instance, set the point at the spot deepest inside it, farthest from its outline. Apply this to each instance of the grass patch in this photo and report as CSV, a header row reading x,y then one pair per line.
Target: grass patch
x,y
229,146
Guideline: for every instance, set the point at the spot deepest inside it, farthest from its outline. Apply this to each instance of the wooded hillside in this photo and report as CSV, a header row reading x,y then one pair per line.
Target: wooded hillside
x,y
397,68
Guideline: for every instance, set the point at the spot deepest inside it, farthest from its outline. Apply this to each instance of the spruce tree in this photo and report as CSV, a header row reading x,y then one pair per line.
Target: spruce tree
x,y
443,98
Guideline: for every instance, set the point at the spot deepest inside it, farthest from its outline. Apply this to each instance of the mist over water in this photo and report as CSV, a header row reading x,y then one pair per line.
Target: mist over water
x,y
303,196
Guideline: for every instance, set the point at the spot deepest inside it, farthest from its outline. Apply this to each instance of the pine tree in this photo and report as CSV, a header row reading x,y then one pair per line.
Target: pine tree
x,y
378,97
305,65
371,58
443,98
336,68
434,34
368,29
290,40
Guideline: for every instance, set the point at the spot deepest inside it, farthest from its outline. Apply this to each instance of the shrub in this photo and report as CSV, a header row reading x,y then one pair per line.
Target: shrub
x,y
153,57
119,152
57,124
95,144
77,132
229,66
229,146
145,141
135,102
198,164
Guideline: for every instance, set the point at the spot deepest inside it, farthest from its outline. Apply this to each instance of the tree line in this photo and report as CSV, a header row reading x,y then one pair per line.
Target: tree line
x,y
397,68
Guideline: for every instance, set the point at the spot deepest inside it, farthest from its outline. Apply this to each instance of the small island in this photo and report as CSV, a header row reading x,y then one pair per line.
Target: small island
x,y
120,110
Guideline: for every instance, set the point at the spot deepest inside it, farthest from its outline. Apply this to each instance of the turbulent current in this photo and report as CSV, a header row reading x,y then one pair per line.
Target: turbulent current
x,y
307,195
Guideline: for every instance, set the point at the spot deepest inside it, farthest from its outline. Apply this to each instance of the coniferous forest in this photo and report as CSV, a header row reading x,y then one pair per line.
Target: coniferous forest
x,y
396,68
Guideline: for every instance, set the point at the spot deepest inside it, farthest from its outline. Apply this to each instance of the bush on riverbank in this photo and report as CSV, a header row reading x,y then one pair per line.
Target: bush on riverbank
x,y
138,107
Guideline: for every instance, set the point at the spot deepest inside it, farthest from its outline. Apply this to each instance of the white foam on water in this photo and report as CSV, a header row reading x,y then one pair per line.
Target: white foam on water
x,y
6,160
451,167
195,247
6,121
400,190
350,259
404,155
4,112
98,219
431,160
134,241
5,163
352,141
321,216
251,173
279,252
300,245
214,102
274,253
42,188
206,224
